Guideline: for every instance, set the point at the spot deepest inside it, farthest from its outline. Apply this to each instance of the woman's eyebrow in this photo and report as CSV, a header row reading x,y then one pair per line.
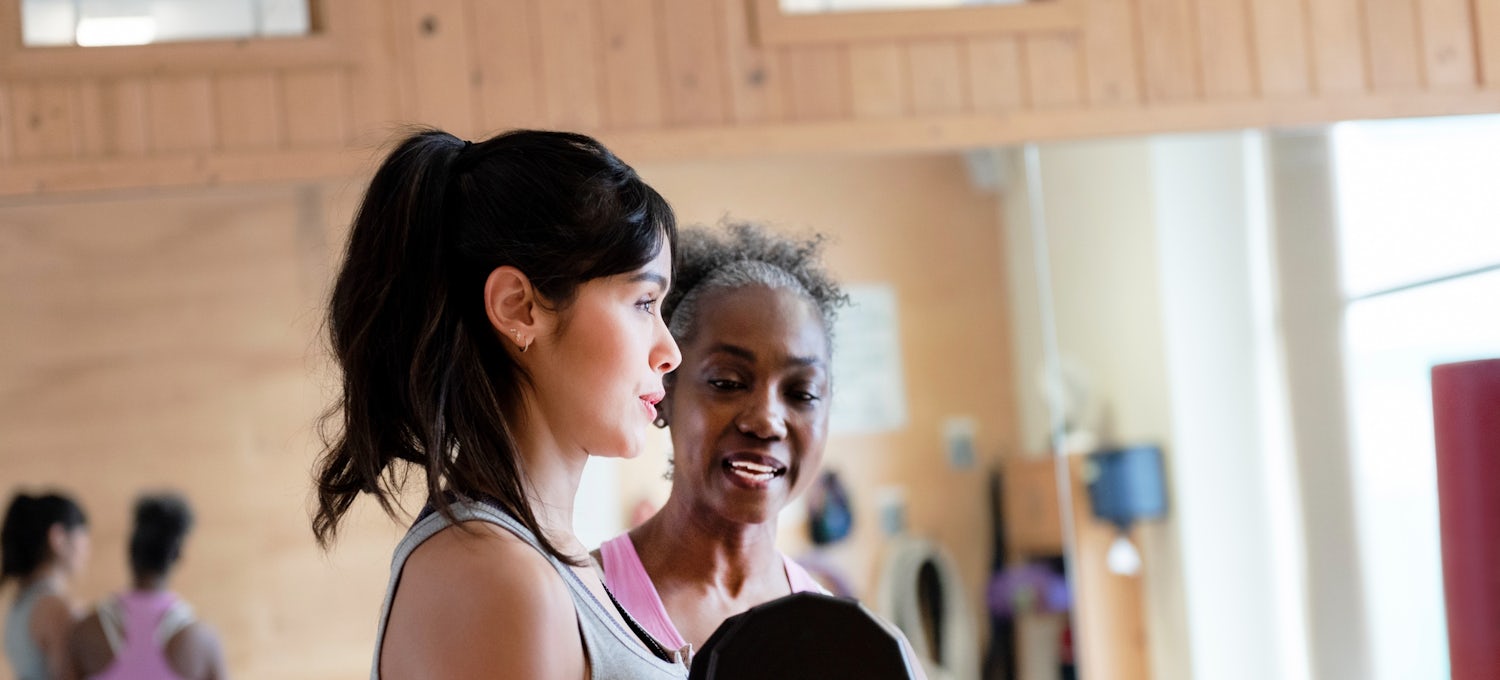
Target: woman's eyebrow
x,y
653,277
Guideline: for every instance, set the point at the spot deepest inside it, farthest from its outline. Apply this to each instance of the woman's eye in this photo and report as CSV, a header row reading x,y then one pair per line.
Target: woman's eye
x,y
647,305
804,396
720,384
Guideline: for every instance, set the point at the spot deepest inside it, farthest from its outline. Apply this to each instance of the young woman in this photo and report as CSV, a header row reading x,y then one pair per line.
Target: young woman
x,y
496,322
44,545
748,409
147,631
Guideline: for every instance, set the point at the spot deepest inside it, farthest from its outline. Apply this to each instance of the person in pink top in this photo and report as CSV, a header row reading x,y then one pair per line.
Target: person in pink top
x,y
148,632
752,313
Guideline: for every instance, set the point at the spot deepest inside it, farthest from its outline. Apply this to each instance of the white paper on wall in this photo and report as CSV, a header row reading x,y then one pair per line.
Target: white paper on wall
x,y
869,392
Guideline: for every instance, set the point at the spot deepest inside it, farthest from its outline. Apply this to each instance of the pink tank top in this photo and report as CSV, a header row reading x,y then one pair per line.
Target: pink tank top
x,y
627,580
138,625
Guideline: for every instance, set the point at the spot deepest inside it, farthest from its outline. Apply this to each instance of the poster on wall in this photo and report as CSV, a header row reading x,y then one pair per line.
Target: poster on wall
x,y
869,392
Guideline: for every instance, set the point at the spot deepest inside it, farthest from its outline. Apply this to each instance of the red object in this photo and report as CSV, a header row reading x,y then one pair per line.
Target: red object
x,y
1466,419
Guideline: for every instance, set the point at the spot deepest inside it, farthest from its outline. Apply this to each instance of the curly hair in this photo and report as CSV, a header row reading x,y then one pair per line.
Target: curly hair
x,y
741,254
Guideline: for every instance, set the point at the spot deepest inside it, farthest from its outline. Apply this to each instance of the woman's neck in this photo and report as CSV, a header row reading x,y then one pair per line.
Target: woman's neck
x,y
551,474
52,575
726,555
149,582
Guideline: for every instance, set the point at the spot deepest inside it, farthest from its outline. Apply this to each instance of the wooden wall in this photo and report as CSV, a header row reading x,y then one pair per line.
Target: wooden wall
x,y
685,79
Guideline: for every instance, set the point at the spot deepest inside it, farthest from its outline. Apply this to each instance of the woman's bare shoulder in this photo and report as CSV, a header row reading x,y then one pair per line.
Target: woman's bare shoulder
x,y
474,600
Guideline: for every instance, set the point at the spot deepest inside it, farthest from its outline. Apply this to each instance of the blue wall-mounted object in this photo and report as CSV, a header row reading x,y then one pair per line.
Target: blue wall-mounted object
x,y
1126,484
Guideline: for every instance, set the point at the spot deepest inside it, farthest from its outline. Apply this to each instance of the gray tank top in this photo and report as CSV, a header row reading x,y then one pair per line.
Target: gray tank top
x,y
614,653
25,656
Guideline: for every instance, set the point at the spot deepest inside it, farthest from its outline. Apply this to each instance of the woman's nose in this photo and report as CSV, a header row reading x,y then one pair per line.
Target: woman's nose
x,y
667,355
765,419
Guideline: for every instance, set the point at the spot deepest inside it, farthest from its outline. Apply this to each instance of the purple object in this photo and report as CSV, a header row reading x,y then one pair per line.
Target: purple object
x,y
1028,588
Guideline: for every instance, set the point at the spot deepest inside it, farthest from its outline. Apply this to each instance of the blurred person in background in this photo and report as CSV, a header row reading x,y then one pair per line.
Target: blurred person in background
x,y
44,545
148,632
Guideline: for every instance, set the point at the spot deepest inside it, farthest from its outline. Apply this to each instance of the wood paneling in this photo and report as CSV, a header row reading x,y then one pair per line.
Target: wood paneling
x,y
996,84
1391,34
1111,53
694,61
319,96
442,76
1447,43
692,78
757,85
180,114
1053,71
1336,31
1280,31
1487,30
508,61
633,97
879,80
1223,30
44,120
939,83
570,67
1169,50
7,117
126,112
249,107
818,82
88,118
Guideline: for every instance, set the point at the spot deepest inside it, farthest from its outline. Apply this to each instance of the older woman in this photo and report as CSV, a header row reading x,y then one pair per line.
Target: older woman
x,y
748,408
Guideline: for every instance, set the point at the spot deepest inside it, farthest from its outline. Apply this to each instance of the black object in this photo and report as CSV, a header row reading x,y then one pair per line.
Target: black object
x,y
1127,485
803,636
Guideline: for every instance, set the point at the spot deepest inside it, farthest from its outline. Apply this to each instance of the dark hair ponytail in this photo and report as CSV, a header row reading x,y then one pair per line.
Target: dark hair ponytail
x,y
162,522
24,542
425,379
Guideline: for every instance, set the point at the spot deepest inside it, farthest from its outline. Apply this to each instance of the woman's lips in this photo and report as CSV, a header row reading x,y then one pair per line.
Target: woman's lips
x,y
750,471
650,401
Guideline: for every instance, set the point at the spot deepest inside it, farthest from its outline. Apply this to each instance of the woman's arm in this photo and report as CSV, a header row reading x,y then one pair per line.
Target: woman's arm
x,y
481,604
51,624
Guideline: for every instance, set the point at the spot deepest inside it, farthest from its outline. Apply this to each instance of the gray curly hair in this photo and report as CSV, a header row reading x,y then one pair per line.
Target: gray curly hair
x,y
742,254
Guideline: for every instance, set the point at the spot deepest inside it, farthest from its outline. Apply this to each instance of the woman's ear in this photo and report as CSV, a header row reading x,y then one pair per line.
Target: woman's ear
x,y
513,306
58,540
